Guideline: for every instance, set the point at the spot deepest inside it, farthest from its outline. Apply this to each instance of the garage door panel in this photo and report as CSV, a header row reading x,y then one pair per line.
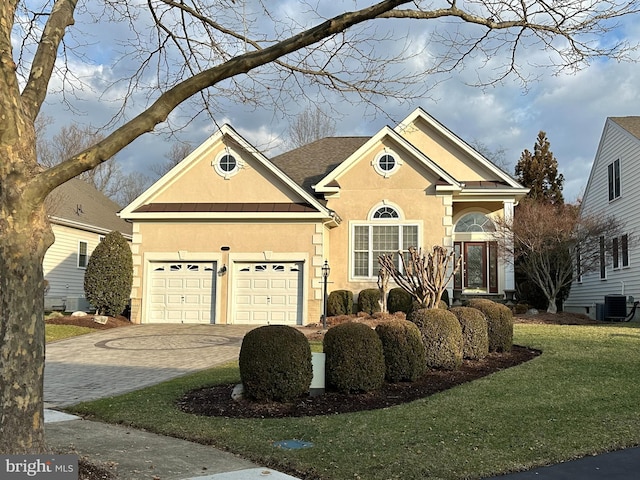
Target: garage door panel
x,y
193,283
280,283
260,283
175,283
267,293
182,292
243,299
278,300
158,283
259,300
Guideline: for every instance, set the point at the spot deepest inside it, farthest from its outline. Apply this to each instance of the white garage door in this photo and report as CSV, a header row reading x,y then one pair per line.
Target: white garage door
x,y
182,292
268,293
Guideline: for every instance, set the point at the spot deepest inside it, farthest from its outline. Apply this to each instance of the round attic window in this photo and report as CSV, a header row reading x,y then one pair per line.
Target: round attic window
x,y
386,163
226,164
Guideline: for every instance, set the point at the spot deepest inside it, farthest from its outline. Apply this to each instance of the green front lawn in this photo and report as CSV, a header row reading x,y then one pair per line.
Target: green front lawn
x,y
60,332
581,396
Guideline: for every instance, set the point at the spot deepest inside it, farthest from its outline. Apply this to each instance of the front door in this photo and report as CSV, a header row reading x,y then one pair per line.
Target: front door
x,y
475,265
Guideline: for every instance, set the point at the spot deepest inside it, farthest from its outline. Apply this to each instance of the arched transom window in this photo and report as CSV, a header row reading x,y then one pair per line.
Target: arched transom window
x,y
386,212
475,222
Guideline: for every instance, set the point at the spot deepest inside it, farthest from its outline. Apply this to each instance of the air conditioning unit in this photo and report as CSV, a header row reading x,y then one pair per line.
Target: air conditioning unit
x,y
615,307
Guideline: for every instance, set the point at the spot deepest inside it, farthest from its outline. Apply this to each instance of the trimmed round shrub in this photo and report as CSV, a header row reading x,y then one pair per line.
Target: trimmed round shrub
x,y
275,363
109,275
404,353
475,332
340,302
369,301
399,300
354,360
499,322
442,337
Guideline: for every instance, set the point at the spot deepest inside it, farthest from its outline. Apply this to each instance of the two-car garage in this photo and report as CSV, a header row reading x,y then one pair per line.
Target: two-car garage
x,y
261,293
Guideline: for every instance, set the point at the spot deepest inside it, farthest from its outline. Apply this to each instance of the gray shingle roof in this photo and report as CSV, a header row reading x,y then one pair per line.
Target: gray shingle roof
x,y
309,164
630,124
78,202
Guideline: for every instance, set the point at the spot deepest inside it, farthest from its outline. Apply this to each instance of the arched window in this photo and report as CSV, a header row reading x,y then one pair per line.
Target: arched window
x,y
475,222
386,212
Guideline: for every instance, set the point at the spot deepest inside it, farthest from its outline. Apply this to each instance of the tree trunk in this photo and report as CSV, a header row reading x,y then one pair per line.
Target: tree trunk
x,y
22,339
552,307
25,236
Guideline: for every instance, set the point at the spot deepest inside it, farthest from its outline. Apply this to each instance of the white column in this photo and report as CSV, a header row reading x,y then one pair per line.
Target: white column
x,y
509,275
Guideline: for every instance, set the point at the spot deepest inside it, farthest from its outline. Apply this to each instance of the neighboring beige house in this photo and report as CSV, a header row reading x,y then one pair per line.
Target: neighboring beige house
x,y
80,217
230,236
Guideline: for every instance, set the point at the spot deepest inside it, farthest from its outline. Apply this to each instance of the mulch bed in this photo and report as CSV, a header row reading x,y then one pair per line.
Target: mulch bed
x,y
216,400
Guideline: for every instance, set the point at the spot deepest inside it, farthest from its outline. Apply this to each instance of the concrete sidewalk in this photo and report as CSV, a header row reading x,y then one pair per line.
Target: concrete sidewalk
x,y
140,455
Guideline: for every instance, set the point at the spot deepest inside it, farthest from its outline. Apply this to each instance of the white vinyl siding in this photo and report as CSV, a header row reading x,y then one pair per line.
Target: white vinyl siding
x,y
615,144
61,262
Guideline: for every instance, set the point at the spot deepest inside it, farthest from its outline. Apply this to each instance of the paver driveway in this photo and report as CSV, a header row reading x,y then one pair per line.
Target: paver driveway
x,y
119,360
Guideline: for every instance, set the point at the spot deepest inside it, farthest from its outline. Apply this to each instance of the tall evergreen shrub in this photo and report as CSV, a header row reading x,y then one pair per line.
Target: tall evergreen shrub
x,y
109,275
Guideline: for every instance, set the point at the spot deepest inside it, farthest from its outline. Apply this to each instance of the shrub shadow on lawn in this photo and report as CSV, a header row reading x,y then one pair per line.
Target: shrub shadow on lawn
x,y
216,401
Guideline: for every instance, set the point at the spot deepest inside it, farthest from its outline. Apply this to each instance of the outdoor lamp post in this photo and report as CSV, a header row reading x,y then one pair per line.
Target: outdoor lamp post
x,y
326,270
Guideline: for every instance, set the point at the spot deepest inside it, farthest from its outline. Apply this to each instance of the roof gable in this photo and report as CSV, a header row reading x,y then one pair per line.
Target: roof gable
x,y
630,124
615,131
445,144
329,183
80,205
193,189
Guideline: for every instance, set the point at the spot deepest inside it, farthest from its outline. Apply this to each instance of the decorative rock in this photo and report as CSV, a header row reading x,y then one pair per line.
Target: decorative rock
x,y
79,314
532,311
101,319
238,392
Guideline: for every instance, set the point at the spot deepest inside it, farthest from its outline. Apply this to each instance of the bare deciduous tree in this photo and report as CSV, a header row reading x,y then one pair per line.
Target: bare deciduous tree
x,y
554,244
309,126
195,54
178,152
71,140
424,276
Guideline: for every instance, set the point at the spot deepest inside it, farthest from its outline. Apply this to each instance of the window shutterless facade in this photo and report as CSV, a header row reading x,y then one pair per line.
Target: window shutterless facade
x,y
620,251
603,260
370,241
83,258
613,175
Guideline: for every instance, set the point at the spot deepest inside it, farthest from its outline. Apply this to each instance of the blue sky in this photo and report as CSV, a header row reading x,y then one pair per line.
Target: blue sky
x,y
571,109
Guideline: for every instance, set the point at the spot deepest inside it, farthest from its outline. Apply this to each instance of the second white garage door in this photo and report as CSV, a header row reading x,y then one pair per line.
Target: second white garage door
x,y
268,293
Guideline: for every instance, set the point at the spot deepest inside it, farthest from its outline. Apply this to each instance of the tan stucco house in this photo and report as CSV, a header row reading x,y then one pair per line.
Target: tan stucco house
x,y
230,236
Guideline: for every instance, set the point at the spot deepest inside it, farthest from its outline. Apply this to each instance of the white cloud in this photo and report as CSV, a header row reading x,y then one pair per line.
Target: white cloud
x,y
571,109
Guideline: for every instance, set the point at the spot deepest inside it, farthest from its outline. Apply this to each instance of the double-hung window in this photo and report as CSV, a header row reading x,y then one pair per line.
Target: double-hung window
x,y
620,251
603,260
372,240
83,258
613,175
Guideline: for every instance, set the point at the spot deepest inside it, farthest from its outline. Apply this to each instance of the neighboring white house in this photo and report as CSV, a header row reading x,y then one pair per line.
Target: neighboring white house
x,y
80,217
613,188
